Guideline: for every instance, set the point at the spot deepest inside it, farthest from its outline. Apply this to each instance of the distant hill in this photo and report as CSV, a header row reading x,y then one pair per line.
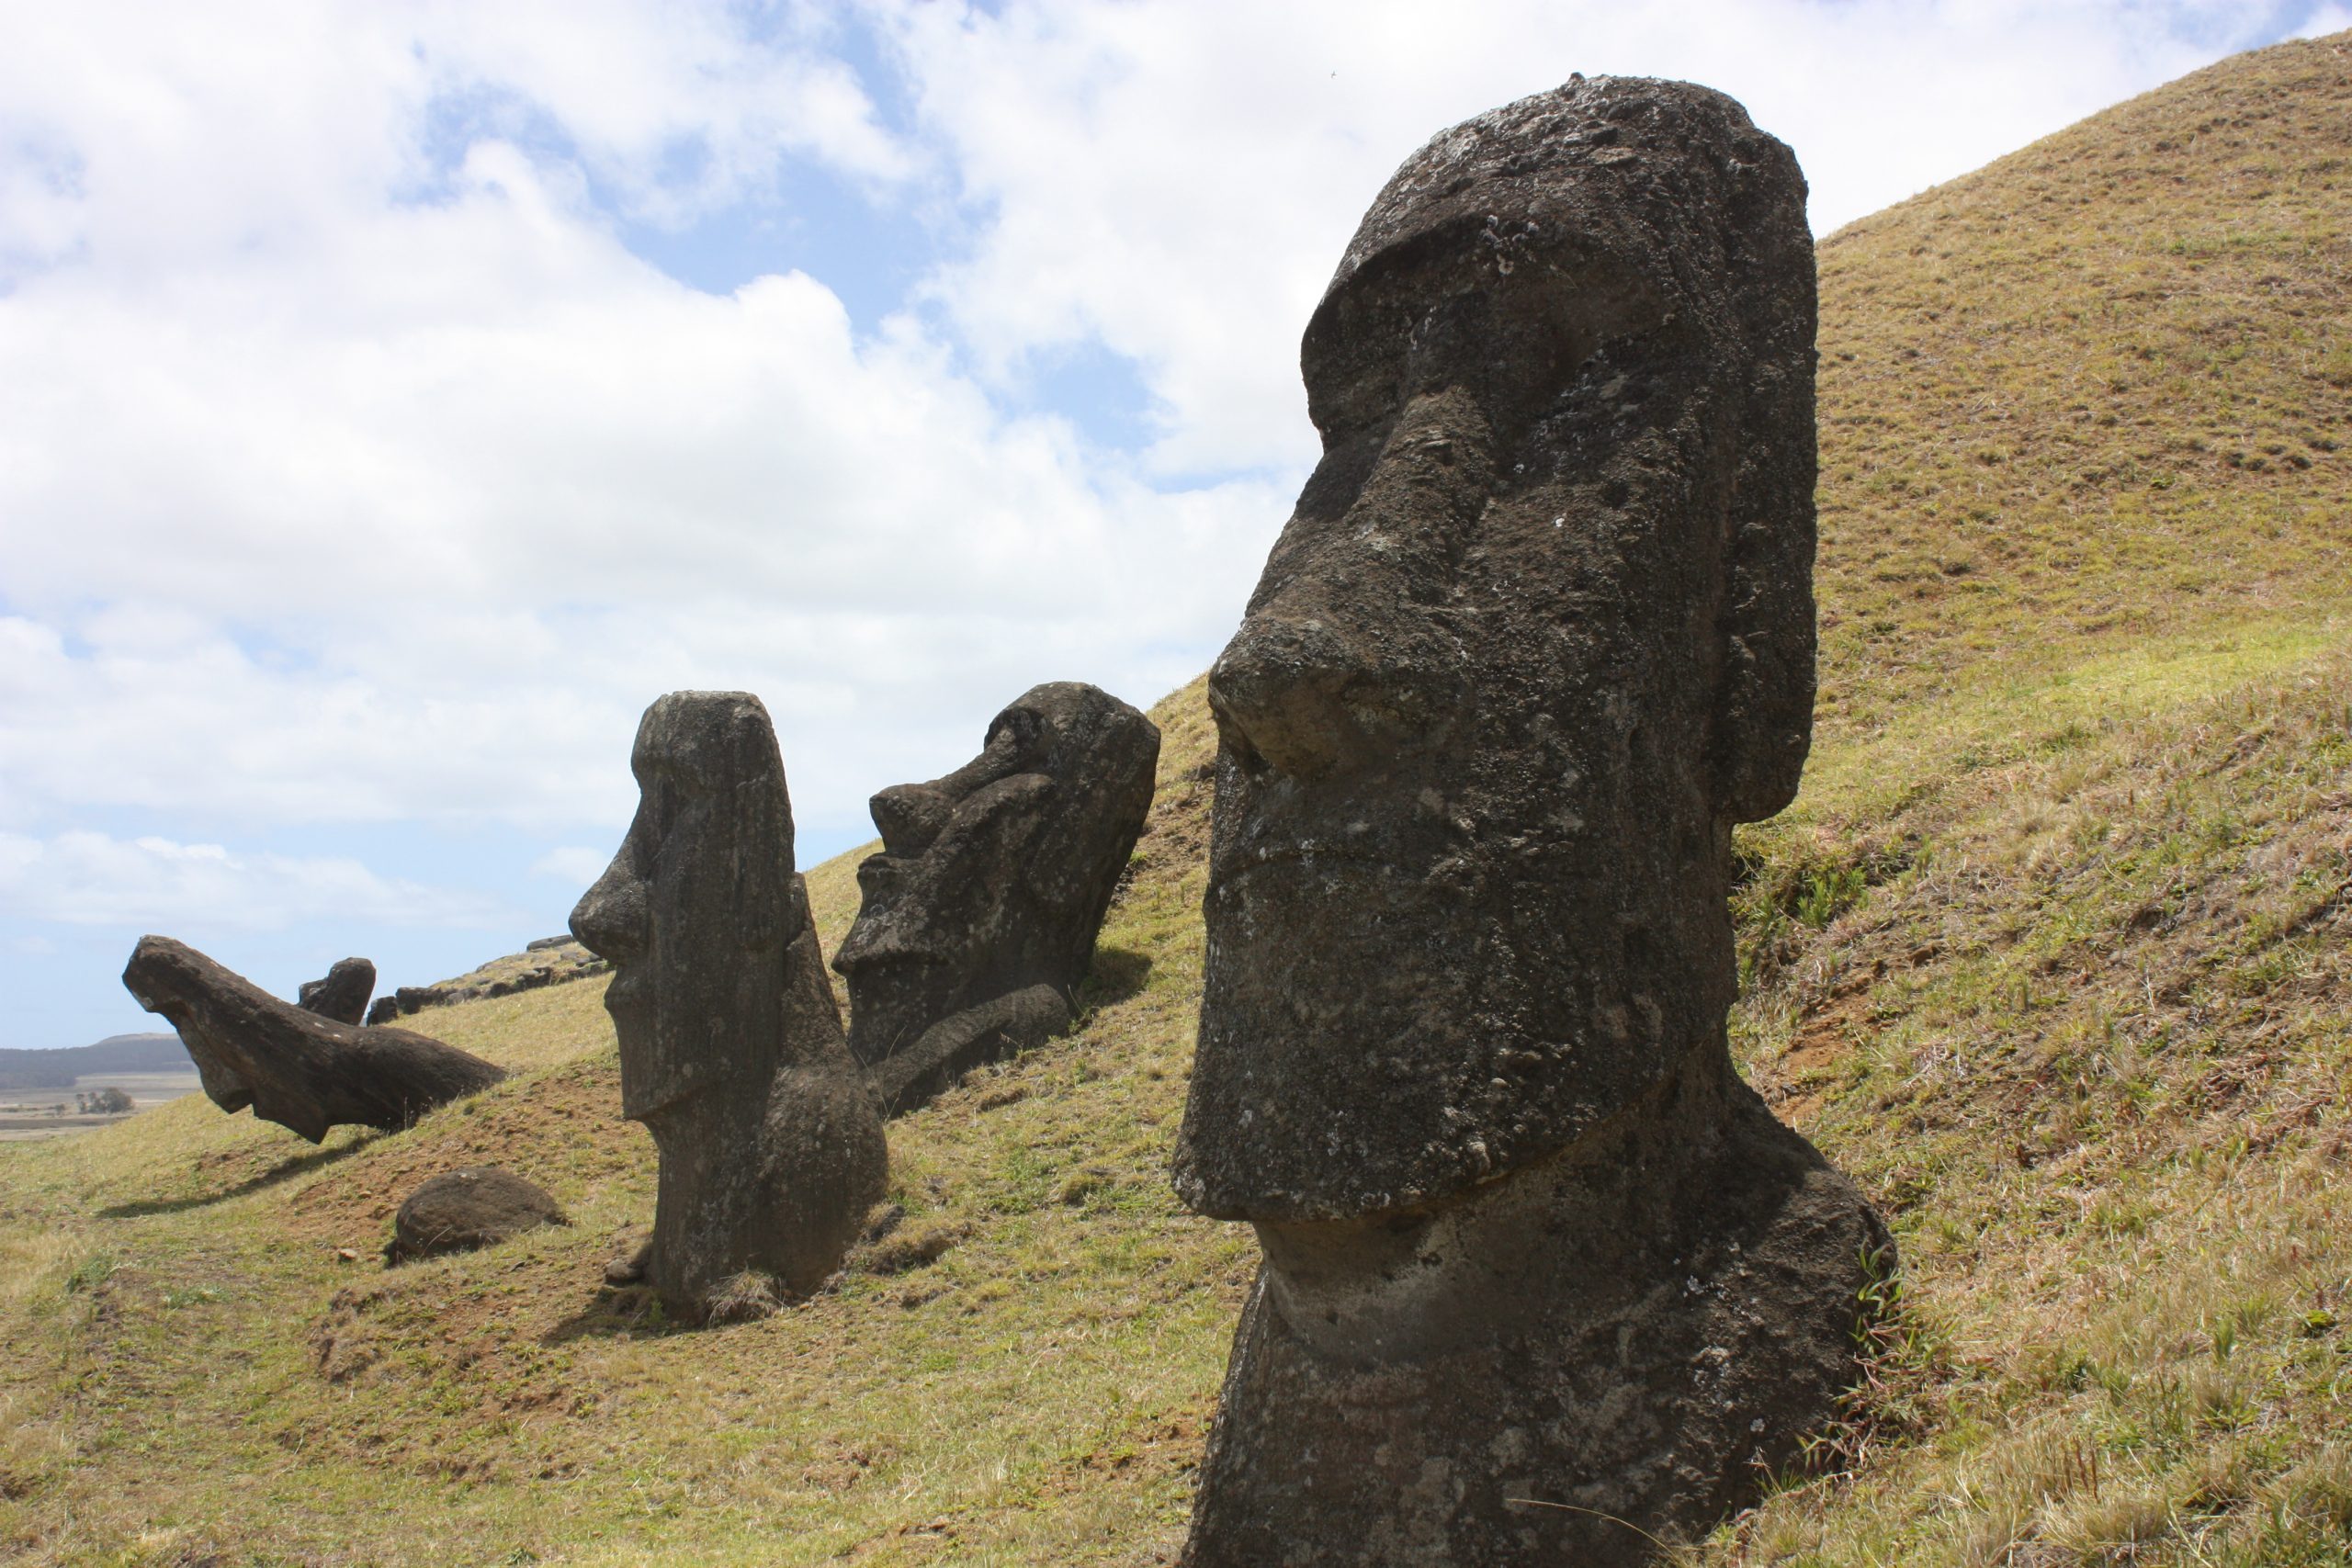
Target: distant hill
x,y
116,1053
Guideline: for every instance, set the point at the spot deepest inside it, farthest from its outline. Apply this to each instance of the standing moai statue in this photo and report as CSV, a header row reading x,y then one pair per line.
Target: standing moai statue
x,y
342,993
978,917
1543,1278
731,1046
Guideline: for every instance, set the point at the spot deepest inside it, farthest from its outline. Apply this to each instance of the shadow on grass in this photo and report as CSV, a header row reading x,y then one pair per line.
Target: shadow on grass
x,y
1118,973
284,1170
625,1311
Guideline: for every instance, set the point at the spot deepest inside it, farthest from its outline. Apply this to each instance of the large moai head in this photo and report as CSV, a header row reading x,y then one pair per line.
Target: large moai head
x,y
1538,632
995,878
699,905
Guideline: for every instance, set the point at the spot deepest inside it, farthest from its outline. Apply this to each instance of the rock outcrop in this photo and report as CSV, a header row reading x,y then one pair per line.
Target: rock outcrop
x,y
731,1046
550,961
342,995
291,1066
978,917
462,1210
1542,1280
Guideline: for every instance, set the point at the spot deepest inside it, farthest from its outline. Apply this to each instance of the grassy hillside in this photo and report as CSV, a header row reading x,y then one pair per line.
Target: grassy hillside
x,y
2052,955
2096,390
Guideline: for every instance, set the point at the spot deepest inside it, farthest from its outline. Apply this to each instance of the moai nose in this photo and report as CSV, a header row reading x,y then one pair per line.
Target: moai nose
x,y
612,919
1288,690
911,818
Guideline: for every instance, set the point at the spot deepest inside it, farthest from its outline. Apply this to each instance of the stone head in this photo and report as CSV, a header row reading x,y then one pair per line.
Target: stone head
x,y
1539,630
995,878
699,905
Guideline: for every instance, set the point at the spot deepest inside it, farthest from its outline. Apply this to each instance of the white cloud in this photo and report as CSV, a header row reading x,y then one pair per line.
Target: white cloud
x,y
353,471
1178,177
2325,20
93,879
407,511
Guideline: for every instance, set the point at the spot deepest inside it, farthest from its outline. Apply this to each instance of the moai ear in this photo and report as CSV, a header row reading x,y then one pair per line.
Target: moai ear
x,y
1764,714
768,908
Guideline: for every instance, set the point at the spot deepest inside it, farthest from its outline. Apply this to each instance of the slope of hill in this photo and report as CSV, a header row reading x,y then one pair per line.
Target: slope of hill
x,y
2052,955
115,1054
2096,390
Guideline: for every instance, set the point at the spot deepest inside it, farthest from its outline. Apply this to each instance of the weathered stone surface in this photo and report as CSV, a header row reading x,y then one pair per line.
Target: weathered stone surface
x,y
1538,633
731,1045
343,994
994,881
999,1027
291,1066
383,1010
459,1210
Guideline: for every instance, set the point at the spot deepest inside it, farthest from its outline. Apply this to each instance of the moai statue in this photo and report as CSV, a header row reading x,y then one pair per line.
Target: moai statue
x,y
1543,1278
292,1065
342,994
979,915
731,1047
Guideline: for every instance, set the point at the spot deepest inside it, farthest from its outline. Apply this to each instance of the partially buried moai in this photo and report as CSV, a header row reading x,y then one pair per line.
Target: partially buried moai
x,y
1543,1277
342,993
731,1047
979,915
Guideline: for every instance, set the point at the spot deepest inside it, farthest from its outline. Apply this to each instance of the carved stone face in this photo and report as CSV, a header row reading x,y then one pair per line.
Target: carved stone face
x,y
995,878
699,904
1538,631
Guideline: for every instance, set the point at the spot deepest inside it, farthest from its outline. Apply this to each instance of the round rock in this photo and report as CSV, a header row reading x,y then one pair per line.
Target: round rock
x,y
461,1210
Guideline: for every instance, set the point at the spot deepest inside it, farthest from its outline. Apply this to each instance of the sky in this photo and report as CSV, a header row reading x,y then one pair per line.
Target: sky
x,y
396,398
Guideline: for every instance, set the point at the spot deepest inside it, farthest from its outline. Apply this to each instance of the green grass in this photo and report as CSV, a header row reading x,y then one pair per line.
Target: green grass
x,y
2052,955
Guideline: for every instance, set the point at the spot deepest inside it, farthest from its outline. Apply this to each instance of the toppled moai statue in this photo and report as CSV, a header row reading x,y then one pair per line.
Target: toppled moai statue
x,y
463,1211
1543,1277
293,1067
343,994
978,917
731,1046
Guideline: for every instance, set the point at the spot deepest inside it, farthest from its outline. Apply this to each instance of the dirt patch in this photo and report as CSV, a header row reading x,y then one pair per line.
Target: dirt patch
x,y
568,1116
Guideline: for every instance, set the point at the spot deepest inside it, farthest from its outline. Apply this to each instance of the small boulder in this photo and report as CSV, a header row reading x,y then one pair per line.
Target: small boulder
x,y
459,1210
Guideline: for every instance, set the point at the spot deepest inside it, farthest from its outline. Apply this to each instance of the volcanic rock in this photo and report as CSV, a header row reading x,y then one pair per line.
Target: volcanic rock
x,y
459,1210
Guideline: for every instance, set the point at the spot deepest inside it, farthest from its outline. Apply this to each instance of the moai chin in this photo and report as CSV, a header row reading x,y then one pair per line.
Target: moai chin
x,y
1539,631
978,917
731,1048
